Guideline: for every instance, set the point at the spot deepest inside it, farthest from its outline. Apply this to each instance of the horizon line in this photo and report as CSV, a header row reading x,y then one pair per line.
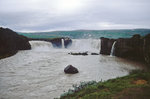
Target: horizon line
x,y
80,30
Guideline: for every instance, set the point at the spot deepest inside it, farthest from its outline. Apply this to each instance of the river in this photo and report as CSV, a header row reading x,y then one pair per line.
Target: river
x,y
39,73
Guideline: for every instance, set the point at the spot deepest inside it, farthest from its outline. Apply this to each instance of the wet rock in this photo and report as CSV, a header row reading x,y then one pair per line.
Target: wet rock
x,y
83,53
67,42
94,54
106,45
56,42
70,70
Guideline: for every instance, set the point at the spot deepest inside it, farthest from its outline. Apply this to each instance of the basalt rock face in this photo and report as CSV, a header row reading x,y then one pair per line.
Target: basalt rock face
x,y
129,47
67,42
135,48
56,42
11,42
106,45
146,48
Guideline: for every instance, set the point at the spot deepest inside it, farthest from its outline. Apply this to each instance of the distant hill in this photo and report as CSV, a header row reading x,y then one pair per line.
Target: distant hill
x,y
84,34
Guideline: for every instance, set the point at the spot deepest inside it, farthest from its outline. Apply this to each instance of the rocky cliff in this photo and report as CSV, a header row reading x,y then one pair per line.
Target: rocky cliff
x,y
135,48
11,42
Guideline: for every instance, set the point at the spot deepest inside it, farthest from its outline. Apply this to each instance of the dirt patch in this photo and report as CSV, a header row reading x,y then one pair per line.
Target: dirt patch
x,y
140,82
133,93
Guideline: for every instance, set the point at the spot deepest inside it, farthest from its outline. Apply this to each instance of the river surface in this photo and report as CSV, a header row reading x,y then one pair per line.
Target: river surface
x,y
39,73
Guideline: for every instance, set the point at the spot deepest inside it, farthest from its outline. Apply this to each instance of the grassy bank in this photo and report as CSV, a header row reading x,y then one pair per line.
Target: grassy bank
x,y
134,86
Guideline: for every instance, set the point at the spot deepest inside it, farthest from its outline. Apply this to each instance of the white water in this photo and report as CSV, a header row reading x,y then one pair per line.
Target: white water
x,y
41,46
90,45
62,42
112,49
38,73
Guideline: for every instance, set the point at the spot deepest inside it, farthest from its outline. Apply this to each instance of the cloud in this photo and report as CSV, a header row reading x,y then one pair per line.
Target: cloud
x,y
44,15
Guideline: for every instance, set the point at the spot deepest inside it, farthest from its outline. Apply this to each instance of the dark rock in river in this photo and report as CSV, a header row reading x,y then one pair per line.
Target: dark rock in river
x,y
135,48
83,53
70,70
11,42
94,54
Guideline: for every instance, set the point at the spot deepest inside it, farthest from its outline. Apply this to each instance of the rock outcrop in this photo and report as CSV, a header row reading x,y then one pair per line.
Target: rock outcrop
x,y
70,70
56,42
67,42
94,54
11,42
130,48
146,48
106,45
135,48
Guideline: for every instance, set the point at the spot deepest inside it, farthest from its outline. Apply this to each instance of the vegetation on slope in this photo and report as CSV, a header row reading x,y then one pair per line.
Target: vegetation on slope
x,y
134,86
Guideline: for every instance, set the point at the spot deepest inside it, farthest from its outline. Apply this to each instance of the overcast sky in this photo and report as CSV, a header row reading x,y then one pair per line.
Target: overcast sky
x,y
49,15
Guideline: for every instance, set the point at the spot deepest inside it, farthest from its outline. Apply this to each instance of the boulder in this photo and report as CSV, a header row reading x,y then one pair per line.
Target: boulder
x,y
70,70
94,54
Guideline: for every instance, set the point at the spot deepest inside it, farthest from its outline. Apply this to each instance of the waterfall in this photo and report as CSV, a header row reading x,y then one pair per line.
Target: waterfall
x,y
41,45
83,45
79,45
112,49
63,44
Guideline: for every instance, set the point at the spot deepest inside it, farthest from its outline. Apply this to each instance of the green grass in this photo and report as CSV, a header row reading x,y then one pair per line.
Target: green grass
x,y
119,88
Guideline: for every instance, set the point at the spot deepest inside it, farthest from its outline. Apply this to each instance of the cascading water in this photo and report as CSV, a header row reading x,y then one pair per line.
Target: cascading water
x,y
79,45
63,43
41,45
112,49
90,45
